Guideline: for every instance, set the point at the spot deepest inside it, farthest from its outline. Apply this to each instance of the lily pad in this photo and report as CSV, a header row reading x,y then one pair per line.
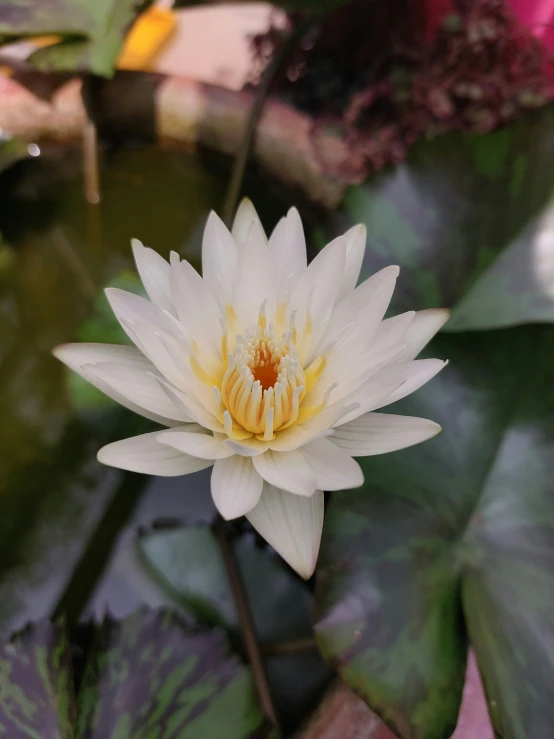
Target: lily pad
x,y
145,677
470,221
453,541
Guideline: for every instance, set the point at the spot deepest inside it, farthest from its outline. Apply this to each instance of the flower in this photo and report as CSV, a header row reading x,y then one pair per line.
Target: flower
x,y
266,368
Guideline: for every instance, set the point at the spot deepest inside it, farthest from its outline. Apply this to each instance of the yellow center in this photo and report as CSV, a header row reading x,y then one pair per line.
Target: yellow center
x,y
261,385
264,383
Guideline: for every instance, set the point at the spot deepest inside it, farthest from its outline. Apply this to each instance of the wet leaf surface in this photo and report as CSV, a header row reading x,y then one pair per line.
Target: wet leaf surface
x,y
450,541
145,677
469,220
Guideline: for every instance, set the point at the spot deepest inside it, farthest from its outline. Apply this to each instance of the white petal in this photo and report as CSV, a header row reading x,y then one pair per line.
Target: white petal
x,y
334,468
154,273
145,454
245,217
287,245
286,470
236,486
134,312
191,406
81,357
200,445
219,259
355,240
315,294
425,325
412,376
292,525
377,433
246,447
138,387
255,283
196,307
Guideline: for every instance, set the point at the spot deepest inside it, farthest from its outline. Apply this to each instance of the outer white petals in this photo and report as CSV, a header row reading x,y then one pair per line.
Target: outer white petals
x,y
199,445
334,468
425,325
356,319
287,246
411,375
236,486
245,217
145,454
255,282
377,433
82,357
138,387
195,305
135,313
191,406
292,525
219,259
355,240
246,447
286,470
154,273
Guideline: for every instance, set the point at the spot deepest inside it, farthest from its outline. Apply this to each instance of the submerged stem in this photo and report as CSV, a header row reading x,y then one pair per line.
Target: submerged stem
x,y
246,622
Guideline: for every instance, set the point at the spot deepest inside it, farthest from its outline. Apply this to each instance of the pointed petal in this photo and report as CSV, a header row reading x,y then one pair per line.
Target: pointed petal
x,y
140,388
292,525
412,376
334,468
134,312
378,433
245,217
196,307
246,447
154,273
82,357
355,240
219,259
286,470
255,283
201,445
236,486
287,246
425,325
145,454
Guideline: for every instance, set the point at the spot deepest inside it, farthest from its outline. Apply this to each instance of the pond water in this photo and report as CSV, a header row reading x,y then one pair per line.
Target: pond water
x,y
68,526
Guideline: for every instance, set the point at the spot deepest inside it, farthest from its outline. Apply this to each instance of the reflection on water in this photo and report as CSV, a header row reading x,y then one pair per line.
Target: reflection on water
x,y
53,261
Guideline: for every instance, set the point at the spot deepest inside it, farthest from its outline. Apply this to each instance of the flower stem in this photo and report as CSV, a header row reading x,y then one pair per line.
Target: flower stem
x,y
245,147
246,622
294,646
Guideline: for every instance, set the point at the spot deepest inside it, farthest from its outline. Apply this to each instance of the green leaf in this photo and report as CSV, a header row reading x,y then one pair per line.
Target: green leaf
x,y
92,31
188,561
36,685
146,677
450,540
468,219
11,151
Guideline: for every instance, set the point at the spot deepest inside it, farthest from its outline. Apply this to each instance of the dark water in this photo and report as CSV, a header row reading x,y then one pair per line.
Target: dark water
x,y
56,255
68,525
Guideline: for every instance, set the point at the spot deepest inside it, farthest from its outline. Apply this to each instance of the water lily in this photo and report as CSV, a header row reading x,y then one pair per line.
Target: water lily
x,y
266,368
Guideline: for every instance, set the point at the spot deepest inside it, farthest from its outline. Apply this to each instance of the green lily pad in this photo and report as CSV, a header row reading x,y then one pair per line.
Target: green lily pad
x,y
469,221
146,677
92,31
453,541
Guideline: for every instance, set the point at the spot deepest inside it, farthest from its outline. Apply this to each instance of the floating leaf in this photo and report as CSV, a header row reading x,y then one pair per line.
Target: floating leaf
x,y
145,677
469,220
91,31
450,540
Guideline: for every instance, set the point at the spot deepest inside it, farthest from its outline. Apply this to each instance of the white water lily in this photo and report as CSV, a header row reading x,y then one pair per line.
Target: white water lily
x,y
266,368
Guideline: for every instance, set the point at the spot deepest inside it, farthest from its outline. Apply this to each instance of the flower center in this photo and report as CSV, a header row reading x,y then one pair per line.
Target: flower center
x,y
264,383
